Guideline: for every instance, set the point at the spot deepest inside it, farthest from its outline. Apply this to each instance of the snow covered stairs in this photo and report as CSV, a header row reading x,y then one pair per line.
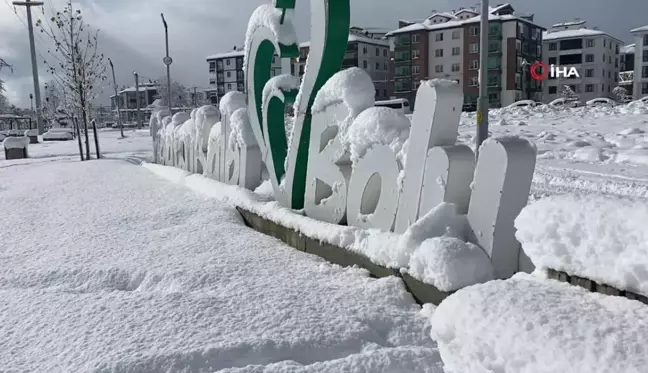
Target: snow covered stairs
x,y
422,292
595,287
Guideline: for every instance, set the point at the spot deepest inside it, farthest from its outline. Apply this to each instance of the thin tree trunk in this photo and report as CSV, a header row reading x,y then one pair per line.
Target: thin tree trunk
x,y
85,128
75,123
96,138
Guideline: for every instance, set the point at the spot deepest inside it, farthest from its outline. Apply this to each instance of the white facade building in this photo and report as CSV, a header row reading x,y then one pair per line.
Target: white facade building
x,y
594,54
640,62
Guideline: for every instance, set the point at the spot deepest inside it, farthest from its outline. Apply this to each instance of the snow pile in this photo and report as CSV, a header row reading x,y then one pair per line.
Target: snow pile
x,y
231,102
531,325
16,142
276,86
432,250
352,87
601,239
378,125
242,133
270,17
160,279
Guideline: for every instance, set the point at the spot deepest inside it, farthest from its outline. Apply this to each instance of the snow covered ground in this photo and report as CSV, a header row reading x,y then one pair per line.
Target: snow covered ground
x,y
108,268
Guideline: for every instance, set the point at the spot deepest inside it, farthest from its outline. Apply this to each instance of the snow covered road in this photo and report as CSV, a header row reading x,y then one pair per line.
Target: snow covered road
x,y
106,268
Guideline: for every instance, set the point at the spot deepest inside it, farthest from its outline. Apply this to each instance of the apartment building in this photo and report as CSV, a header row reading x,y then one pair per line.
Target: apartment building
x,y
127,101
594,54
446,45
366,50
640,62
226,72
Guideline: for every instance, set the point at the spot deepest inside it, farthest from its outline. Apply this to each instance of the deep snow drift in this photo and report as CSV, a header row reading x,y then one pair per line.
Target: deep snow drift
x,y
108,268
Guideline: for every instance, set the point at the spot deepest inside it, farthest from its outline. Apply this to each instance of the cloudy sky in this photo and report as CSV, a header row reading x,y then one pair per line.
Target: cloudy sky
x,y
133,35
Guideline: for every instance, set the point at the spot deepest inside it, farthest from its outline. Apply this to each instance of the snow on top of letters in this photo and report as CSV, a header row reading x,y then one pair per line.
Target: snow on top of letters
x,y
352,86
377,125
270,17
278,84
231,102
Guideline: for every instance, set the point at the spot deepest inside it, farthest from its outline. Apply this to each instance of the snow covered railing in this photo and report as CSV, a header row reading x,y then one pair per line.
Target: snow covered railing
x,y
15,147
594,286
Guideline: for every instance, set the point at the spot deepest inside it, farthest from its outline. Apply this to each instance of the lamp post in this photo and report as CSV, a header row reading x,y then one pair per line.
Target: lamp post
x,y
167,61
117,99
482,101
137,95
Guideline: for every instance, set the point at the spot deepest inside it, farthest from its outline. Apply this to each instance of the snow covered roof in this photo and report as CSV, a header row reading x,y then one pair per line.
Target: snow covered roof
x,y
628,49
229,54
425,25
640,29
570,23
565,34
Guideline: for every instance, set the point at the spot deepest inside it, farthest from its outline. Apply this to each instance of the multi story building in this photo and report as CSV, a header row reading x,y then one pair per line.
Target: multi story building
x,y
366,50
226,72
640,62
127,101
446,45
594,54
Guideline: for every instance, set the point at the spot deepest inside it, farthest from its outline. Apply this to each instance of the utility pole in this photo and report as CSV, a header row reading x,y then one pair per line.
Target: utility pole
x,y
137,93
195,98
28,4
117,99
167,61
482,101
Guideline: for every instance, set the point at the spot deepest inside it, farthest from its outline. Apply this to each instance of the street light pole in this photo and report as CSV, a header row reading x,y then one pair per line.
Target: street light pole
x,y
482,101
167,61
28,4
117,100
137,93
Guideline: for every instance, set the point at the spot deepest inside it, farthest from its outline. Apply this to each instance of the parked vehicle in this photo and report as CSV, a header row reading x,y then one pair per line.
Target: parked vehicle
x,y
601,101
398,104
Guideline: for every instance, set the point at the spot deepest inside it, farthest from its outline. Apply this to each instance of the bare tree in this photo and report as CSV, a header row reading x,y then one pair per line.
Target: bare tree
x,y
76,64
4,103
621,94
568,93
179,93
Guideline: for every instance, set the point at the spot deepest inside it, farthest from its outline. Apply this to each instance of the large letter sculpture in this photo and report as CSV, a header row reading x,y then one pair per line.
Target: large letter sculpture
x,y
340,159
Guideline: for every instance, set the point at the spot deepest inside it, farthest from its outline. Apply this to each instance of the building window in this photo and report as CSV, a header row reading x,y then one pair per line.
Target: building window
x,y
212,67
455,67
438,68
644,56
456,51
365,65
377,66
644,87
416,69
364,50
227,62
589,58
644,72
439,36
604,45
589,73
609,74
603,73
438,53
603,57
473,82
589,88
229,86
384,52
474,65
552,60
609,59
229,74
377,52
416,53
589,43
474,48
212,81
474,31
553,89
645,40
386,66
553,46
456,34
274,59
602,88
416,38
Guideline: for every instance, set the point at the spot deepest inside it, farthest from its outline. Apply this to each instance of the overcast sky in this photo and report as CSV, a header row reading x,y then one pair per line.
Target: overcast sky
x,y
133,35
